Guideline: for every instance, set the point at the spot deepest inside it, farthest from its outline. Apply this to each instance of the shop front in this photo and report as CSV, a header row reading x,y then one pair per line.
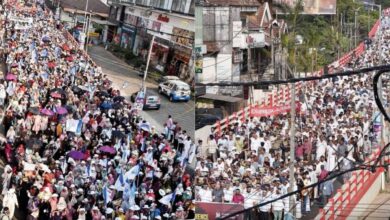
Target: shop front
x,y
127,37
179,62
159,55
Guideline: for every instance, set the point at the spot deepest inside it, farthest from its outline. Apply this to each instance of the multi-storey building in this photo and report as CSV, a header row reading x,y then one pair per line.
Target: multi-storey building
x,y
172,22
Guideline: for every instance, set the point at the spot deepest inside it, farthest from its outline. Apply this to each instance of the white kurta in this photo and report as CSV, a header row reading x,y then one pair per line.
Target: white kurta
x,y
10,201
6,179
331,159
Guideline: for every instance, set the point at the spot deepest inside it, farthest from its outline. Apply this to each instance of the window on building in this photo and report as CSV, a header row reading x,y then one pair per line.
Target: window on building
x,y
118,14
208,24
222,25
192,8
130,19
162,4
113,12
237,56
142,2
180,5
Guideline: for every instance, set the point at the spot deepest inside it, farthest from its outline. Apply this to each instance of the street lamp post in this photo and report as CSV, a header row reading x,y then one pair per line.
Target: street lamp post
x,y
85,15
148,61
87,32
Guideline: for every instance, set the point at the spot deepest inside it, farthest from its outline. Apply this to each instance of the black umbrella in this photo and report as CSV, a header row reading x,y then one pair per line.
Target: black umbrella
x,y
102,93
34,143
118,134
118,98
76,89
70,108
117,105
57,90
34,110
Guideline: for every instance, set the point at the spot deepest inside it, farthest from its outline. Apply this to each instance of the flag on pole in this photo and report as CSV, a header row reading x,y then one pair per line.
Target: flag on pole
x,y
132,194
120,183
106,195
132,173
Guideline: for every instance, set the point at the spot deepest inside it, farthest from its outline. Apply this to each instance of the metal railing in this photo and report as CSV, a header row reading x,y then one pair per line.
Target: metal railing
x,y
346,198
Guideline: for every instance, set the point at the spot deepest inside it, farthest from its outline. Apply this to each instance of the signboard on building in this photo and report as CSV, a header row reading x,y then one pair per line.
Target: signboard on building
x,y
199,65
183,37
256,40
312,6
163,18
199,58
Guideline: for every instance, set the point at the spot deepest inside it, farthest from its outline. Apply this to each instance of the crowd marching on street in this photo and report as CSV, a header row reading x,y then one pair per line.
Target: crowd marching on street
x,y
74,147
248,162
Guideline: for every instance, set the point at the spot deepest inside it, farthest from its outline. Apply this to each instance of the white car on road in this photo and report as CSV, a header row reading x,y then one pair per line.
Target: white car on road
x,y
176,90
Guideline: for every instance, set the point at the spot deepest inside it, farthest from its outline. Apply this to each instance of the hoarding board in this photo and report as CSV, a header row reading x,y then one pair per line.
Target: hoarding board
x,y
311,6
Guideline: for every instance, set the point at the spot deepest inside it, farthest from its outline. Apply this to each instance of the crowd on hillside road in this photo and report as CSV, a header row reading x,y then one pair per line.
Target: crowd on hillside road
x,y
74,147
336,127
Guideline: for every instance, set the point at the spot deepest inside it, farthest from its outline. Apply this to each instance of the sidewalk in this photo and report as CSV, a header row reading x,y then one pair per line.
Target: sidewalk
x,y
378,209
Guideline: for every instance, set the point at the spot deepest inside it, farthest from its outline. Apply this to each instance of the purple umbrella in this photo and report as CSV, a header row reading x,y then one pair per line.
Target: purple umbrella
x,y
61,110
47,112
77,155
10,76
107,149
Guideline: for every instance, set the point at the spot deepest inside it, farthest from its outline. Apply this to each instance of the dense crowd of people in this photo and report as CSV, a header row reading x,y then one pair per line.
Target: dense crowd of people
x,y
74,147
336,126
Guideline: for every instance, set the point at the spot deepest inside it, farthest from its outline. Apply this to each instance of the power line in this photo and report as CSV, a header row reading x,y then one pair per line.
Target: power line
x,y
301,79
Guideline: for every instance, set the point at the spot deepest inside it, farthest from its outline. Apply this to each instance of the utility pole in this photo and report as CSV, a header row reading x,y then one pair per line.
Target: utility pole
x,y
85,15
147,62
87,32
198,40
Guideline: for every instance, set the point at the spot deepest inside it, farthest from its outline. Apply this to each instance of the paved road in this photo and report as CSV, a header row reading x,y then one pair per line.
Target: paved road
x,y
119,72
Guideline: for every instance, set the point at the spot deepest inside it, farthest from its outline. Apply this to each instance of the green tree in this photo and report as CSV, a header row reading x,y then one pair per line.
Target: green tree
x,y
328,35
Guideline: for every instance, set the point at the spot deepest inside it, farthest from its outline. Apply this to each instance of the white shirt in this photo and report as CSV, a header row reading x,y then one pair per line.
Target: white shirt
x,y
206,195
228,194
255,144
321,148
278,204
250,199
263,199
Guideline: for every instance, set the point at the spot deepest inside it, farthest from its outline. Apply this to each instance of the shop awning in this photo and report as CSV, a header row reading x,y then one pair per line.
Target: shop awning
x,y
223,98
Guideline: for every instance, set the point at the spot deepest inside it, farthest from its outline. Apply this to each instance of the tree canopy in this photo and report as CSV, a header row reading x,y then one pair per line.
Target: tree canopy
x,y
326,37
